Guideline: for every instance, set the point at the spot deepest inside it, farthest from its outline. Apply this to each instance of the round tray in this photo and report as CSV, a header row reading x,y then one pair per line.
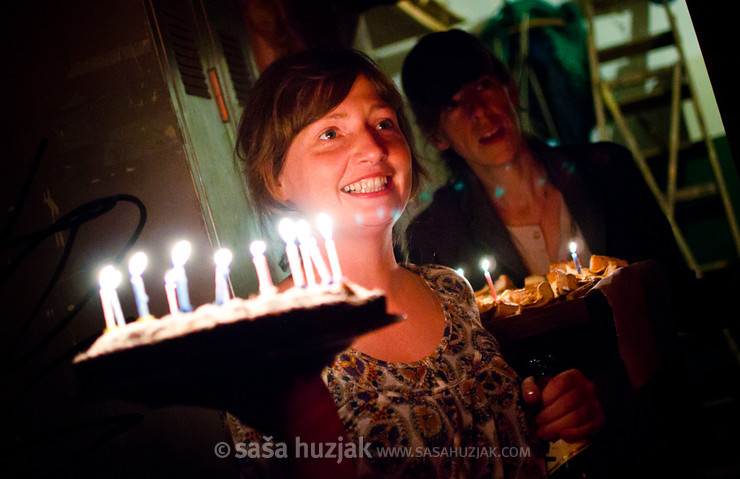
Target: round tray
x,y
218,366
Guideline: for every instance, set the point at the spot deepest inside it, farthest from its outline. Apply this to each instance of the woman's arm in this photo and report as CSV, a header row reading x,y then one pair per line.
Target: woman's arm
x,y
302,412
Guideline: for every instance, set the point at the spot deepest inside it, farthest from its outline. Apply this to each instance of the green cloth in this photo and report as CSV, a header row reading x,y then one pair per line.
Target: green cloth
x,y
559,56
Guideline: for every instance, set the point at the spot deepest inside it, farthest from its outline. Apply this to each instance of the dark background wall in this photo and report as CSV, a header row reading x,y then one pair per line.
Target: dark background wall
x,y
91,110
96,117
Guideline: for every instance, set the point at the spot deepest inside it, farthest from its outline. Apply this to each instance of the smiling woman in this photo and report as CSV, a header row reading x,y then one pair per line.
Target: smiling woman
x,y
325,132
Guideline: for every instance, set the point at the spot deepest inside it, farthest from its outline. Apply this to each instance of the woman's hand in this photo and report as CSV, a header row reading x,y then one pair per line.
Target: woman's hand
x,y
570,408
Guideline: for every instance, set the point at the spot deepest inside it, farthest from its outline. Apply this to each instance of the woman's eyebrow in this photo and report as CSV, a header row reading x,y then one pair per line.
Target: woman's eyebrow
x,y
382,106
341,114
335,115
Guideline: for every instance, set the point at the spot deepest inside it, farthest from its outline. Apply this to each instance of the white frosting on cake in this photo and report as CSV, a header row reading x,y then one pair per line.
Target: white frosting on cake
x,y
209,316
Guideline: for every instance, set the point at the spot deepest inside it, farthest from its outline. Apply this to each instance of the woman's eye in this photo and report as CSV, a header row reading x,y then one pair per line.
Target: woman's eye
x,y
386,125
451,106
485,83
328,135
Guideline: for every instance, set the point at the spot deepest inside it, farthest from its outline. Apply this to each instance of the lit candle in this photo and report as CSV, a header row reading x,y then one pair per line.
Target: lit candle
x,y
106,279
460,271
286,228
318,260
170,289
303,232
573,247
257,248
136,267
222,258
180,255
485,264
325,228
110,279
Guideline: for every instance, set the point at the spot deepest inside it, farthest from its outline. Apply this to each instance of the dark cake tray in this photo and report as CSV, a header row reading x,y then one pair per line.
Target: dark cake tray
x,y
214,367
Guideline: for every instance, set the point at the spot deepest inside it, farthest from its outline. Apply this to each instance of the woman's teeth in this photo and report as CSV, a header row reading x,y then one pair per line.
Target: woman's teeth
x,y
367,185
490,134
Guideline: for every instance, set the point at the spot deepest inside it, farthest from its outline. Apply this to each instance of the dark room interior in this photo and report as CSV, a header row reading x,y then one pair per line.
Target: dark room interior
x,y
119,130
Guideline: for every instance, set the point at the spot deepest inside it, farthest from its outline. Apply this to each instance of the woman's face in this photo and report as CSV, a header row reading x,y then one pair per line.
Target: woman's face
x,y
354,163
481,124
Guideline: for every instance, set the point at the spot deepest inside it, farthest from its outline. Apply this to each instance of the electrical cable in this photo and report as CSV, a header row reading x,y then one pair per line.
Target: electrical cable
x,y
73,221
25,190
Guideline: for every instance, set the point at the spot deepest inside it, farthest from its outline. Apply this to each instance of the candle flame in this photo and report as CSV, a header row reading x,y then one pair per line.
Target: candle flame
x,y
223,257
286,228
573,246
109,277
137,264
324,224
257,247
460,271
488,263
181,253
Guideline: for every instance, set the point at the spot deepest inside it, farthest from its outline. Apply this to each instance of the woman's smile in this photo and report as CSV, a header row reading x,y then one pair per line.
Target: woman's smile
x,y
372,184
492,135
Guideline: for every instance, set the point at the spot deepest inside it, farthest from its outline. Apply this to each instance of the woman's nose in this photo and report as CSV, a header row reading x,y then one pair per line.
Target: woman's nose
x,y
369,147
474,107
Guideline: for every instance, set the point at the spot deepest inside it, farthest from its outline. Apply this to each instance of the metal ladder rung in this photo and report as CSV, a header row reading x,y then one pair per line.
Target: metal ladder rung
x,y
638,78
637,47
654,99
695,192
602,7
686,149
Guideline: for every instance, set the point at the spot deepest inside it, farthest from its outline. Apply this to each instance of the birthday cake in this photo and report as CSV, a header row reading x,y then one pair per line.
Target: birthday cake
x,y
564,282
175,358
566,296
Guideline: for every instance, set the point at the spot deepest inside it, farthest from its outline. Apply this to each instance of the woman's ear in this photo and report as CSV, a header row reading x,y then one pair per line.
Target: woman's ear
x,y
513,91
277,190
439,141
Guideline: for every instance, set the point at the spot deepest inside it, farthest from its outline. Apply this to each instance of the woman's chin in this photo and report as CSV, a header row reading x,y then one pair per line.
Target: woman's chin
x,y
363,224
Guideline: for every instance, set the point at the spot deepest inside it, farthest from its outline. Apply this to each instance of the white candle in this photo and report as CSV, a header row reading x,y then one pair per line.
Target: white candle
x,y
573,247
257,248
286,228
170,289
136,267
303,232
485,264
325,228
106,278
110,279
117,311
180,255
318,260
222,258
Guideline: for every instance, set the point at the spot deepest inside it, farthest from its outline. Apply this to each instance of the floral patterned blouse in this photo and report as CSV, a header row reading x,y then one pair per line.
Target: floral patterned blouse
x,y
455,413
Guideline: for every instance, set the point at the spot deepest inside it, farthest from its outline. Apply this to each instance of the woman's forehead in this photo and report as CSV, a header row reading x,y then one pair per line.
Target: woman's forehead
x,y
363,92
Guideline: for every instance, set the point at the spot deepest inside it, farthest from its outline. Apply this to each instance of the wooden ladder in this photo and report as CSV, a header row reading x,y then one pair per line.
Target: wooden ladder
x,y
629,96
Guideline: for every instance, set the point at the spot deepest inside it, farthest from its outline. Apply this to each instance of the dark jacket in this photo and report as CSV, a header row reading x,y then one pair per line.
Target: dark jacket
x,y
602,188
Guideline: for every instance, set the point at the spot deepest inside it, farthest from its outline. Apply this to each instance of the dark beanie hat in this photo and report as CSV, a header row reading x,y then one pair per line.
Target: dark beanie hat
x,y
438,66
